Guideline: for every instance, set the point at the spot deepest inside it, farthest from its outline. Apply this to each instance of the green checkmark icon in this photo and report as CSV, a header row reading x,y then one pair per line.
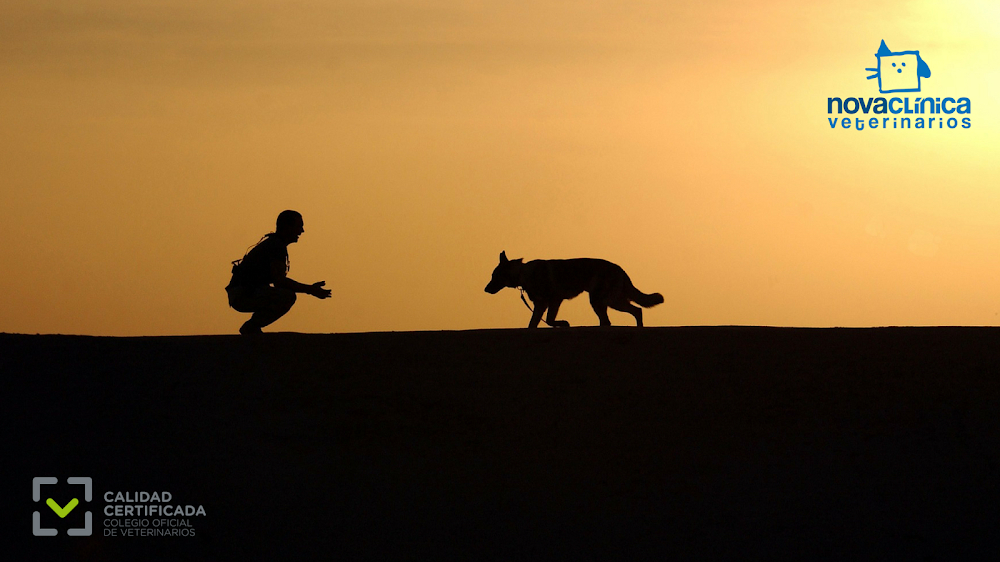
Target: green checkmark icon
x,y
62,511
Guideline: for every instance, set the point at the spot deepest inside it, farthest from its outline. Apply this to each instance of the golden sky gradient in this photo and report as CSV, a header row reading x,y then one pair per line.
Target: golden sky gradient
x,y
147,143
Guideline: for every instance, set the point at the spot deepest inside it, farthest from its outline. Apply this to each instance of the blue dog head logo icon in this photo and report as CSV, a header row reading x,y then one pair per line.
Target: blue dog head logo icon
x,y
899,72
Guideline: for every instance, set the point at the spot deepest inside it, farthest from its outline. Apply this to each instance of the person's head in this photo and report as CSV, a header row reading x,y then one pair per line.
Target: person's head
x,y
289,226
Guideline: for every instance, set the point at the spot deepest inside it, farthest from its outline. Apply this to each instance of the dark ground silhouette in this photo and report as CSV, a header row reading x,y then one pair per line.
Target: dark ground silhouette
x,y
596,444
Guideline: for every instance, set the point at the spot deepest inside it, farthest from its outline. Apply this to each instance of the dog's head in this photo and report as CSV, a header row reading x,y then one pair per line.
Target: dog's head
x,y
504,275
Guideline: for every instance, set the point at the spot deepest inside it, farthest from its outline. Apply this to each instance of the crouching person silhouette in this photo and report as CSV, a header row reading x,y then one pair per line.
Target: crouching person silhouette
x,y
260,282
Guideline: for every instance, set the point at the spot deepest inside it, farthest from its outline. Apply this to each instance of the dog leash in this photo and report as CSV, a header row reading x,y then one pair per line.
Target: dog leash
x,y
525,301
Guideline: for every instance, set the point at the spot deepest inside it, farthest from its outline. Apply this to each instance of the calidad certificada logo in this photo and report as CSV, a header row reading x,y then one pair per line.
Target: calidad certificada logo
x,y
61,510
126,513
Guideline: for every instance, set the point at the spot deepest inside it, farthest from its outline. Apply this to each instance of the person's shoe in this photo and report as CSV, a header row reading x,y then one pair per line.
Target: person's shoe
x,y
248,329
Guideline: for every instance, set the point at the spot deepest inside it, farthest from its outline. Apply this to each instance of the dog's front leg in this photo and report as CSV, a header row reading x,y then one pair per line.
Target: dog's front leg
x,y
536,315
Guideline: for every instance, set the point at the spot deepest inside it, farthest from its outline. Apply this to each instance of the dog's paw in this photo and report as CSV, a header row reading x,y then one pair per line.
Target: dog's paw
x,y
560,324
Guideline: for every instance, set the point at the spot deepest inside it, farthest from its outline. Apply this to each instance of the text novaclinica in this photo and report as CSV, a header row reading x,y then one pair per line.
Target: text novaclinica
x,y
895,106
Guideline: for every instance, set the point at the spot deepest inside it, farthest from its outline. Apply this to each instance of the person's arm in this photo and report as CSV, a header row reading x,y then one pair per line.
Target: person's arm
x,y
282,281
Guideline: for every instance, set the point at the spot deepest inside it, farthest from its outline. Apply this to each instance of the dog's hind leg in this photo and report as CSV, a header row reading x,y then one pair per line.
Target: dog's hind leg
x,y
601,309
631,309
551,318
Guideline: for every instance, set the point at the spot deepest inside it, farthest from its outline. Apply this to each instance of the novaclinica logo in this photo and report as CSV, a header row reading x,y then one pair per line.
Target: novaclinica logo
x,y
900,71
899,77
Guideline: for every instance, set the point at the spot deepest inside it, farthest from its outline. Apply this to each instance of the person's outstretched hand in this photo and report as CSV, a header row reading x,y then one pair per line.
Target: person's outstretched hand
x,y
318,291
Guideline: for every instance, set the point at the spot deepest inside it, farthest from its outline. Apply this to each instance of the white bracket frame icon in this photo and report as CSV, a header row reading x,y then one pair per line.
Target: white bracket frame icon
x,y
36,495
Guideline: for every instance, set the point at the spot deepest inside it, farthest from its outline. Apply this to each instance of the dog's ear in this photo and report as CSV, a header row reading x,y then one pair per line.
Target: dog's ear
x,y
518,260
503,257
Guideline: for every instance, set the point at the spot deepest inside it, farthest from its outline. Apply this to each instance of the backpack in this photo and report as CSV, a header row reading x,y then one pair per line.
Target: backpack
x,y
238,269
241,270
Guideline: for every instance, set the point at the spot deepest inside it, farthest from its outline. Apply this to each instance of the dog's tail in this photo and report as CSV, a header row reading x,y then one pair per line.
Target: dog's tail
x,y
644,300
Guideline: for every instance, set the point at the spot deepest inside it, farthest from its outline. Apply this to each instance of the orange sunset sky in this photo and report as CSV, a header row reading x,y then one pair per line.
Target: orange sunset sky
x,y
147,144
